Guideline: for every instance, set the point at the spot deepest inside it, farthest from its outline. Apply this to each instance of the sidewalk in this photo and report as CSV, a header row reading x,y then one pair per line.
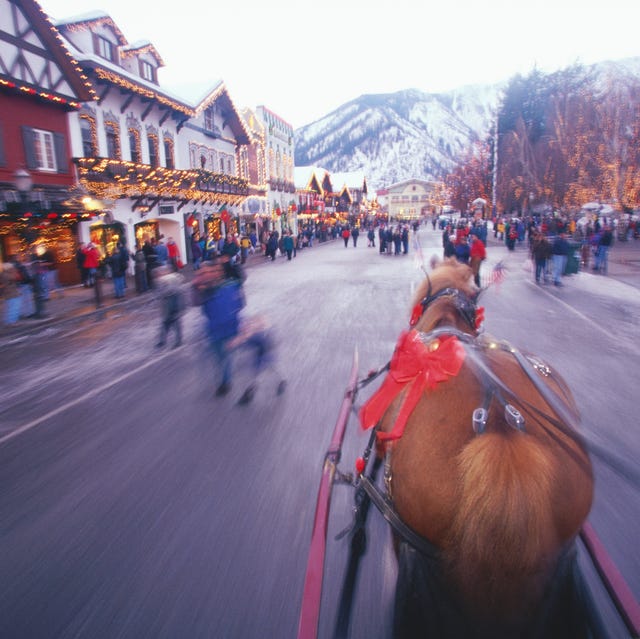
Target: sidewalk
x,y
78,302
624,259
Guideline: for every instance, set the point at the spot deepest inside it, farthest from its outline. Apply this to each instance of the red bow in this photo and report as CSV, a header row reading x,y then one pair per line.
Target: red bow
x,y
418,366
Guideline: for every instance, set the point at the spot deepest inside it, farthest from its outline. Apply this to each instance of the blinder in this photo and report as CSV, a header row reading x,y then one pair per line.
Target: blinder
x,y
464,304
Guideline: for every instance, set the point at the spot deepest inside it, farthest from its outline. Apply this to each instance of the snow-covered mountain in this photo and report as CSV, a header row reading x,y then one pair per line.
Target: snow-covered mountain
x,y
412,134
393,137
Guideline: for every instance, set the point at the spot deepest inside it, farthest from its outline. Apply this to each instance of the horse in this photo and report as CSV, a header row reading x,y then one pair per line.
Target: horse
x,y
484,462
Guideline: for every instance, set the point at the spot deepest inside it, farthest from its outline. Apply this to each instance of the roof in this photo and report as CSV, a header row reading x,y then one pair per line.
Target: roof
x,y
235,121
46,30
350,180
142,46
303,175
94,18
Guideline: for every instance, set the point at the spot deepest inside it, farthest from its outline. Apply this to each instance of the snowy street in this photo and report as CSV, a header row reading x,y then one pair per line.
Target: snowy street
x,y
134,503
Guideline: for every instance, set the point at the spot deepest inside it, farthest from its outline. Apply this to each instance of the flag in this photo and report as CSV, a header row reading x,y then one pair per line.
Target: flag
x,y
497,274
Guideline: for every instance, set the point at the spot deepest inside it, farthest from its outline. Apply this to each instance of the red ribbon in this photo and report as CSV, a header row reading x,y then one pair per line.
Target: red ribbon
x,y
417,366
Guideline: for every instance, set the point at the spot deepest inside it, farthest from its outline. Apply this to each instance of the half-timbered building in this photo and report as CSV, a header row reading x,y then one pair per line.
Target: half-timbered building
x,y
40,83
161,165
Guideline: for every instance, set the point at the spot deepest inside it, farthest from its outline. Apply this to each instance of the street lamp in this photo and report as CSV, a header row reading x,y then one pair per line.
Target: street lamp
x,y
23,183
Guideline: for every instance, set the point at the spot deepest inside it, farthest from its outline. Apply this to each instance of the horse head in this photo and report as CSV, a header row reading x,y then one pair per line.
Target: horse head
x,y
447,297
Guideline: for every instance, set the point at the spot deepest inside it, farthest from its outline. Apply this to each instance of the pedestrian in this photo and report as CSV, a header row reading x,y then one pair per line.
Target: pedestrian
x,y
52,283
173,252
162,252
245,245
382,239
477,255
540,254
462,250
288,245
371,237
10,292
218,289
118,262
140,270
25,285
170,293
151,260
196,252
345,236
404,234
272,246
355,232
80,260
559,252
449,249
602,250
91,262
397,241
39,284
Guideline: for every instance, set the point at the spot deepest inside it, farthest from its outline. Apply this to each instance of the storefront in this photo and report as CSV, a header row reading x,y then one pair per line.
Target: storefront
x,y
58,236
106,237
146,231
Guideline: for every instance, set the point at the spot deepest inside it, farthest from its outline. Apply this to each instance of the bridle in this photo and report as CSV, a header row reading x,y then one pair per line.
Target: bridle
x,y
464,304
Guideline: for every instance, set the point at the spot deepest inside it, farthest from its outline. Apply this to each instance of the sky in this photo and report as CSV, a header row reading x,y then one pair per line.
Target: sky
x,y
302,60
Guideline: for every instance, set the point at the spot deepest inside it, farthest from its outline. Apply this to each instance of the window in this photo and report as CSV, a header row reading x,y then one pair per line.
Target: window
x,y
147,71
154,159
134,146
168,153
88,137
203,162
113,146
208,119
221,165
43,149
105,49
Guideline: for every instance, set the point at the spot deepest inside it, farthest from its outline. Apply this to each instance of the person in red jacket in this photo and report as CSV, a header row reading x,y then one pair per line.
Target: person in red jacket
x,y
91,262
477,255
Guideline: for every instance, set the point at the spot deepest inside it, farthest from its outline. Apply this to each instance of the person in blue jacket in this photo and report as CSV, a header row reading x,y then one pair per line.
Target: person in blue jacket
x,y
218,289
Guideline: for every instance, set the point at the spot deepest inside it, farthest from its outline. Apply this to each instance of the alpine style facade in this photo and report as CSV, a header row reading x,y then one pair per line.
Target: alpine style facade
x,y
109,154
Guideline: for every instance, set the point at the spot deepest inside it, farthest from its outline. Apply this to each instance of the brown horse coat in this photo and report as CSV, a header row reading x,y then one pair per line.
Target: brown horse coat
x,y
501,506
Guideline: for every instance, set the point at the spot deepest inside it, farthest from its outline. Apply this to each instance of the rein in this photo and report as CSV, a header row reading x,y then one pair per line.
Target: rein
x,y
496,389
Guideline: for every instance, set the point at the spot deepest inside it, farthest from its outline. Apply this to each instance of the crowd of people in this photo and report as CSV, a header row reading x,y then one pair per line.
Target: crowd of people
x,y
27,282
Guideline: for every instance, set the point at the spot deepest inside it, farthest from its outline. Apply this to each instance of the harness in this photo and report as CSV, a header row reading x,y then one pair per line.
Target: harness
x,y
495,391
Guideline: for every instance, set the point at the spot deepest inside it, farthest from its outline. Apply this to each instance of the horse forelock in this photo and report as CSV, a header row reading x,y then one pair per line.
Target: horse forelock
x,y
447,274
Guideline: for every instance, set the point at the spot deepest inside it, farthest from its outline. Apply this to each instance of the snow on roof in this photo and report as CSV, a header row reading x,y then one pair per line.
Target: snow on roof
x,y
350,179
105,64
92,16
143,46
89,16
302,175
194,93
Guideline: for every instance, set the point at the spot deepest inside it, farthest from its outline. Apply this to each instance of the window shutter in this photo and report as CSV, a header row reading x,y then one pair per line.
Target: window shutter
x,y
61,153
28,137
3,159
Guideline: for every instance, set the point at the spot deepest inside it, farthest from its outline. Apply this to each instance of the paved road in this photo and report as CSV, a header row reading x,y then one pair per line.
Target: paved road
x,y
135,504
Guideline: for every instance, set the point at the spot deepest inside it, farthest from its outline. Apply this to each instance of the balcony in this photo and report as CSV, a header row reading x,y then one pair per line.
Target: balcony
x,y
113,179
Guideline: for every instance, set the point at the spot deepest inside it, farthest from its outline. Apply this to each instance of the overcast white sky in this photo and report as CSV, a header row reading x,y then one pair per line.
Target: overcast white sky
x,y
302,60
